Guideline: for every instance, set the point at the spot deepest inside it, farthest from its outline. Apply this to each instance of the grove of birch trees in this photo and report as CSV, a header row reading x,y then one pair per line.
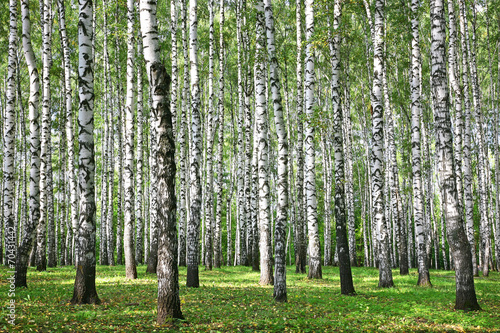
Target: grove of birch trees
x,y
203,133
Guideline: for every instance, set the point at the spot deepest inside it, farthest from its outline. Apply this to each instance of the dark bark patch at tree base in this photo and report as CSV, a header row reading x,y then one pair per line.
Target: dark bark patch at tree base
x,y
424,281
169,310
282,298
84,291
192,279
467,303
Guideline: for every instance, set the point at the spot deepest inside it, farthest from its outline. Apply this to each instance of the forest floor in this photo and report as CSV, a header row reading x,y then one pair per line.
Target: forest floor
x,y
231,300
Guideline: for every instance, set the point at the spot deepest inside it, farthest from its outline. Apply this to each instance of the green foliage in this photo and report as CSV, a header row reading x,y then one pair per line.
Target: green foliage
x,y
230,299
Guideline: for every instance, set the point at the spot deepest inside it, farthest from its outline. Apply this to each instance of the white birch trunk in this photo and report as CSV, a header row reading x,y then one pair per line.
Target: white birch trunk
x,y
385,273
457,239
280,293
310,165
193,232
34,188
416,114
84,289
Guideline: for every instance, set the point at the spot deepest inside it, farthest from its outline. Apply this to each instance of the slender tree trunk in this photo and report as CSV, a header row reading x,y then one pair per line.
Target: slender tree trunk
x,y
484,226
261,119
349,188
184,138
34,214
130,266
220,144
280,293
119,134
169,305
153,223
457,239
385,274
209,195
346,284
140,229
108,87
41,260
85,290
309,170
416,114
193,232
103,247
469,201
299,237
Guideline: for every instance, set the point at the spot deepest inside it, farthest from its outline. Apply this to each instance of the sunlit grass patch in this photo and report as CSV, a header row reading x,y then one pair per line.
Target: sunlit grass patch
x,y
231,299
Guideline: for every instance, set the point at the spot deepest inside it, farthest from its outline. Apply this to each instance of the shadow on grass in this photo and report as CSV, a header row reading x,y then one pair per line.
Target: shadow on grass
x,y
230,299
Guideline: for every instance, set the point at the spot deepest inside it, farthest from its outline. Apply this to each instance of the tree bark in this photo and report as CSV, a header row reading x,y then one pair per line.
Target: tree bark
x,y
85,290
309,170
261,119
385,273
346,284
169,305
193,232
128,241
299,237
34,204
457,239
416,113
280,293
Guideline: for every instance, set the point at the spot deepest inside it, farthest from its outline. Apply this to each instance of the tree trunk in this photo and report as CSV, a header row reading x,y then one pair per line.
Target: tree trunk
x,y
85,290
119,134
183,140
309,170
220,144
169,304
193,232
153,223
280,293
416,114
34,215
108,87
128,242
346,284
299,237
457,239
468,194
261,119
209,195
385,273
140,229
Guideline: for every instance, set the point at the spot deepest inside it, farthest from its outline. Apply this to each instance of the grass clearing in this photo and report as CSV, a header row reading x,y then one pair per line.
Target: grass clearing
x,y
230,299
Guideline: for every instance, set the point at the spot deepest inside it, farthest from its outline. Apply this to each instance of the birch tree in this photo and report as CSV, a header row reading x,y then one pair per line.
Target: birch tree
x,y
169,304
346,284
385,273
220,144
299,236
84,289
34,99
457,239
261,119
193,232
309,168
130,267
416,113
280,293
209,201
141,230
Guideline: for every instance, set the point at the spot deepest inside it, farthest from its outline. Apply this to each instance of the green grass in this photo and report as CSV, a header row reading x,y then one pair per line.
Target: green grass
x,y
230,299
